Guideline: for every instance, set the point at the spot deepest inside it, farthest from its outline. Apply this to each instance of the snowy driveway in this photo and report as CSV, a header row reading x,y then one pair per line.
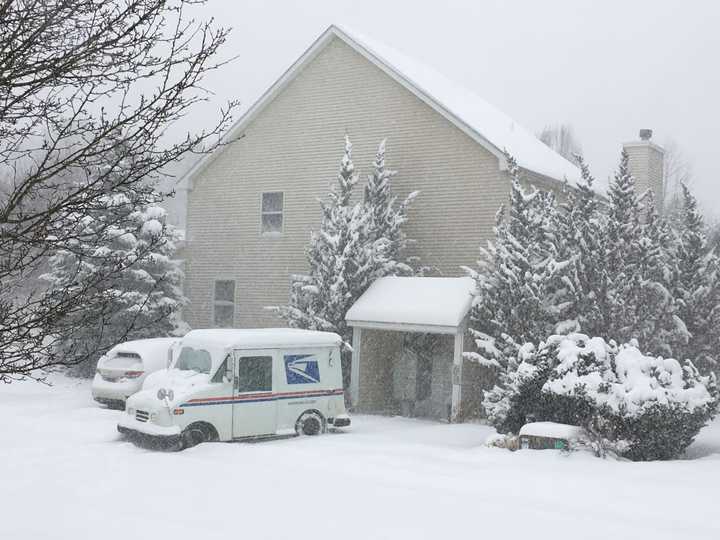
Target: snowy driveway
x,y
65,474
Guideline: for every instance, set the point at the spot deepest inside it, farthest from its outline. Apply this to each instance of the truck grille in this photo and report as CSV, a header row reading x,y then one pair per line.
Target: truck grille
x,y
142,416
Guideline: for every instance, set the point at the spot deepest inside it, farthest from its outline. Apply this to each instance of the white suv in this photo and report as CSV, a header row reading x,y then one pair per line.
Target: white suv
x,y
121,372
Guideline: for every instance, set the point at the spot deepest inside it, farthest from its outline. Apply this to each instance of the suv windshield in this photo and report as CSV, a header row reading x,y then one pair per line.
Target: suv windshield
x,y
194,360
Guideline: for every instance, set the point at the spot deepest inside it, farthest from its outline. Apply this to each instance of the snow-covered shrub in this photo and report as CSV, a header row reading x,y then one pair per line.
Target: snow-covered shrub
x,y
648,407
520,398
655,405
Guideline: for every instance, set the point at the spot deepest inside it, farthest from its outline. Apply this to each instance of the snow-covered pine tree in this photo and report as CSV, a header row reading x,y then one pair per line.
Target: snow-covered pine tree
x,y
641,270
516,277
652,315
387,217
698,287
580,238
121,256
339,260
623,232
347,253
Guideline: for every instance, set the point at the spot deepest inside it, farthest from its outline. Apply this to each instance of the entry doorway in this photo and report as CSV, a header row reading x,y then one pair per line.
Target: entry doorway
x,y
421,376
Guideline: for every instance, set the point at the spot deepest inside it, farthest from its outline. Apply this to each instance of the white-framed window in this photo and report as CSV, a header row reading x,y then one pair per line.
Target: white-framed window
x,y
224,303
271,212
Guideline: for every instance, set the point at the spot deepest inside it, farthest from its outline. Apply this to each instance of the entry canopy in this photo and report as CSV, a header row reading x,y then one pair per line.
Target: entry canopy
x,y
414,304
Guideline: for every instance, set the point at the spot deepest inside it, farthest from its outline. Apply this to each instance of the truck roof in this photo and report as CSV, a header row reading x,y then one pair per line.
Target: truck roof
x,y
262,338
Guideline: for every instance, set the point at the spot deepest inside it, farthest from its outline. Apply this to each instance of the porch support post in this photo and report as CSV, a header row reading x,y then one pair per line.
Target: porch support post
x,y
457,374
355,368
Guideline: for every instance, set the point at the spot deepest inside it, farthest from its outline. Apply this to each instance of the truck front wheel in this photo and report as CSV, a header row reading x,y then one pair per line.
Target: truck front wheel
x,y
197,433
310,423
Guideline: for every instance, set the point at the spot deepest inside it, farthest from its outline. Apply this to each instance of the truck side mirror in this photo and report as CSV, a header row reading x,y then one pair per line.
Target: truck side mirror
x,y
229,369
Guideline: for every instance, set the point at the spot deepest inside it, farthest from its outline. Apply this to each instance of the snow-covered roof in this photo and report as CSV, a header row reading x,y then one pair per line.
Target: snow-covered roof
x,y
553,430
491,124
256,338
490,127
413,303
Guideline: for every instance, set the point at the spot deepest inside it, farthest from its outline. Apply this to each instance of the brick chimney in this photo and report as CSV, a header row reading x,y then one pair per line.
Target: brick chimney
x,y
645,160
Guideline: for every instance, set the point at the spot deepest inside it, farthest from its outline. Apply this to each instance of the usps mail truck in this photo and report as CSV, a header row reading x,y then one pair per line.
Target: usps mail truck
x,y
229,384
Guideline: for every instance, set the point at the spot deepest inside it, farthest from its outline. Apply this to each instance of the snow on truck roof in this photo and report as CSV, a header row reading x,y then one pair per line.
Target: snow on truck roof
x,y
258,338
421,302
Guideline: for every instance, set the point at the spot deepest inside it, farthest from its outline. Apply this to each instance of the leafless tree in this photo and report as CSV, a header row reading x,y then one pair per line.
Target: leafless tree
x,y
562,139
89,91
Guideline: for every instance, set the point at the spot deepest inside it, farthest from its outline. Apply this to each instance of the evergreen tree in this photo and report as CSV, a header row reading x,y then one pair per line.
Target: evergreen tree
x,y
355,244
698,287
386,219
622,233
653,316
122,256
339,260
580,239
515,282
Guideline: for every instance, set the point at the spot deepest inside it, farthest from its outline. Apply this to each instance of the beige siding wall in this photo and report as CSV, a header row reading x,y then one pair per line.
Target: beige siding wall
x,y
295,146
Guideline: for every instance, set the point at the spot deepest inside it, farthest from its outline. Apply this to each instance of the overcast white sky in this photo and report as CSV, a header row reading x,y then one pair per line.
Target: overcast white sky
x,y
607,67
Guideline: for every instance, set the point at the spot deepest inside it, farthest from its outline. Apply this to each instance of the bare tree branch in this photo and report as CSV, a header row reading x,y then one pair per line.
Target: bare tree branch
x,y
89,90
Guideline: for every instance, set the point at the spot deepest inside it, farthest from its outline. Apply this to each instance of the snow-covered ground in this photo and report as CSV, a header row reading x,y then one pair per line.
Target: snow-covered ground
x,y
65,474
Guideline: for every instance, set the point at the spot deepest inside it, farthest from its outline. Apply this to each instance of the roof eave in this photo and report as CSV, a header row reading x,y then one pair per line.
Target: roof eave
x,y
406,327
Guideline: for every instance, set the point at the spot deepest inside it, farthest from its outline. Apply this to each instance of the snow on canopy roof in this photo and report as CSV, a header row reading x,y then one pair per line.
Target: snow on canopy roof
x,y
429,302
553,430
256,338
489,123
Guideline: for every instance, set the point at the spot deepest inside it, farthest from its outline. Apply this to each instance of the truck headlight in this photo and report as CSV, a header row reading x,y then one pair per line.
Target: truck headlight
x,y
131,411
153,417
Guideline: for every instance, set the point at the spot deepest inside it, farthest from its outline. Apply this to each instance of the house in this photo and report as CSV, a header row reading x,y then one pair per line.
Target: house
x,y
253,203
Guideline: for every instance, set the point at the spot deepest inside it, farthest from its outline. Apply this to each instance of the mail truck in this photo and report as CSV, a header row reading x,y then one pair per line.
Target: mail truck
x,y
228,384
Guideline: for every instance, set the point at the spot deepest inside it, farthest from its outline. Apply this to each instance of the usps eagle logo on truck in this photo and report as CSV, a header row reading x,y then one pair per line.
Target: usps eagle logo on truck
x,y
301,369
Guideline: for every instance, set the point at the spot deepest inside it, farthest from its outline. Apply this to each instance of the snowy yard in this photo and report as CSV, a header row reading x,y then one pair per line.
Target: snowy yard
x,y
66,474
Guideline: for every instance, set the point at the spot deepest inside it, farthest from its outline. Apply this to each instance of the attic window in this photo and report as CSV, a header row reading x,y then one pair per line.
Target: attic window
x,y
272,212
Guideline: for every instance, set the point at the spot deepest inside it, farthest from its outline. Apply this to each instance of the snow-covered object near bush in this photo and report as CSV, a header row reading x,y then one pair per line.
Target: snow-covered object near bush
x,y
553,430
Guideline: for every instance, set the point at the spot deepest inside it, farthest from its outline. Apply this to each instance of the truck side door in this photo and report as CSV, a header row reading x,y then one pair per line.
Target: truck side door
x,y
254,405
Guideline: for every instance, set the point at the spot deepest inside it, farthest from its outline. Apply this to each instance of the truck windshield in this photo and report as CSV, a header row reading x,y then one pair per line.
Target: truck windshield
x,y
194,360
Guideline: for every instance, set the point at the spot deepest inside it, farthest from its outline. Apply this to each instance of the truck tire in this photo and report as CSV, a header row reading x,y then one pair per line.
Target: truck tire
x,y
197,433
310,423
